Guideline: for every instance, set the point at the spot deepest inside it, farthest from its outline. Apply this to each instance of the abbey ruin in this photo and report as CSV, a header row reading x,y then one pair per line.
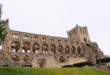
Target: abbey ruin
x,y
27,49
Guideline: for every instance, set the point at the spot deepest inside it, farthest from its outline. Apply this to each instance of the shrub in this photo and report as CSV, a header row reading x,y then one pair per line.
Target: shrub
x,y
104,60
67,66
82,64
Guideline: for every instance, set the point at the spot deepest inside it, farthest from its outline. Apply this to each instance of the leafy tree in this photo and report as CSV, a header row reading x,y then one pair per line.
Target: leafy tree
x,y
3,26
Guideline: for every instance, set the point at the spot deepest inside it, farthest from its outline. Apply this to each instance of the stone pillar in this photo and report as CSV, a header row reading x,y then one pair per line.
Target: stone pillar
x,y
40,50
31,45
63,50
70,49
21,43
76,51
49,48
9,46
57,49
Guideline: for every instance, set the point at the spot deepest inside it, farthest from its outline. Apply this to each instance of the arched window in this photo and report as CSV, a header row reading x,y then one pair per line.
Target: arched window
x,y
62,59
36,48
42,62
60,49
35,38
85,40
59,40
15,46
79,50
15,36
45,49
15,58
53,49
26,58
67,50
73,50
52,39
43,39
26,47
26,37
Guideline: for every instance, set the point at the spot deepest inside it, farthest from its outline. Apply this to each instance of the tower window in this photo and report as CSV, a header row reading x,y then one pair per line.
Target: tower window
x,y
85,40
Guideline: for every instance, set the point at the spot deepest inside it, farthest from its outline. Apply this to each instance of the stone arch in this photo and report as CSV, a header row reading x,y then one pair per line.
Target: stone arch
x,y
79,50
62,59
15,58
60,49
67,49
36,48
16,36
26,37
26,47
45,49
73,50
42,62
15,46
26,58
53,49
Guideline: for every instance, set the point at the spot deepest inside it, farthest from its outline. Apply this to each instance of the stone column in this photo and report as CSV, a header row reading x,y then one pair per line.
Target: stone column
x,y
70,52
76,51
63,50
49,48
57,49
21,43
9,46
40,50
31,45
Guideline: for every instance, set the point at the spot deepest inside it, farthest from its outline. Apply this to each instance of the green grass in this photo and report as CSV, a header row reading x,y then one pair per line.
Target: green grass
x,y
50,71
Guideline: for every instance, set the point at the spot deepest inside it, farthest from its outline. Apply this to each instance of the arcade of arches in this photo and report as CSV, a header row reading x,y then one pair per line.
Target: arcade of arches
x,y
26,49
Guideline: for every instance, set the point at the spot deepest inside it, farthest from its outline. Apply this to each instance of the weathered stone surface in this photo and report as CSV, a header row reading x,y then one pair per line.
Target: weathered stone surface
x,y
27,49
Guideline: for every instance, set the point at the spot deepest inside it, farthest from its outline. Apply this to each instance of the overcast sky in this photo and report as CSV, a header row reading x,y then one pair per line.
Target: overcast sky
x,y
55,17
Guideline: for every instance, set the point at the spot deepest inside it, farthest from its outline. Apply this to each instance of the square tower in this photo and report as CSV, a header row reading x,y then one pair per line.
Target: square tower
x,y
80,34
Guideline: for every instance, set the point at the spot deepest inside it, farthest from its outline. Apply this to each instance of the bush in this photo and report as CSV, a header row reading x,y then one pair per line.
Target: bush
x,y
105,60
67,66
82,64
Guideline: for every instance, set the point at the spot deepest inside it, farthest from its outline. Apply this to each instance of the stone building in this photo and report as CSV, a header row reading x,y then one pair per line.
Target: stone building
x,y
28,49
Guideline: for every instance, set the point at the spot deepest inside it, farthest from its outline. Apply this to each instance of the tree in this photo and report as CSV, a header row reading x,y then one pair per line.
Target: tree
x,y
3,26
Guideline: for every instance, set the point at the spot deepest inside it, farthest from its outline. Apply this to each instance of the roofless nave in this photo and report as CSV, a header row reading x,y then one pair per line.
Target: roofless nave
x,y
26,49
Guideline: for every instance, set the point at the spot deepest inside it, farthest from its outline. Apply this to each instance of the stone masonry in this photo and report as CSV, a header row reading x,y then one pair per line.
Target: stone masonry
x,y
27,49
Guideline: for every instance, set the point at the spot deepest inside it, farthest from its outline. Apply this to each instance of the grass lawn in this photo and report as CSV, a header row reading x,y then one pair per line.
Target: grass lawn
x,y
50,71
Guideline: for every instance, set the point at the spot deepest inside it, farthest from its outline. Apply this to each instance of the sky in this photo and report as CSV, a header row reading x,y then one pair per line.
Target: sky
x,y
56,17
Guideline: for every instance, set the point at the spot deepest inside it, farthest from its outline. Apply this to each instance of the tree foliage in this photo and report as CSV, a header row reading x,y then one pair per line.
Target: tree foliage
x,y
3,26
104,60
82,64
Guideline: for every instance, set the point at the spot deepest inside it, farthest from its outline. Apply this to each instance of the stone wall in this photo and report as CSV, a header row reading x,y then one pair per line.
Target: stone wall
x,y
27,49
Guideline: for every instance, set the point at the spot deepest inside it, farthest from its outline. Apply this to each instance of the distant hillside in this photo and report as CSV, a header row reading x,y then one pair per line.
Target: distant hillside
x,y
50,71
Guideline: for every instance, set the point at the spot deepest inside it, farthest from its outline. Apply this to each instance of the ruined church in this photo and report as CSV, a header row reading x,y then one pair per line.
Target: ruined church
x,y
23,49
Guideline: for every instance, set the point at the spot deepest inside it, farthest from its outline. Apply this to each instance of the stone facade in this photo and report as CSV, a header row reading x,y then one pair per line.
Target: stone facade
x,y
27,49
